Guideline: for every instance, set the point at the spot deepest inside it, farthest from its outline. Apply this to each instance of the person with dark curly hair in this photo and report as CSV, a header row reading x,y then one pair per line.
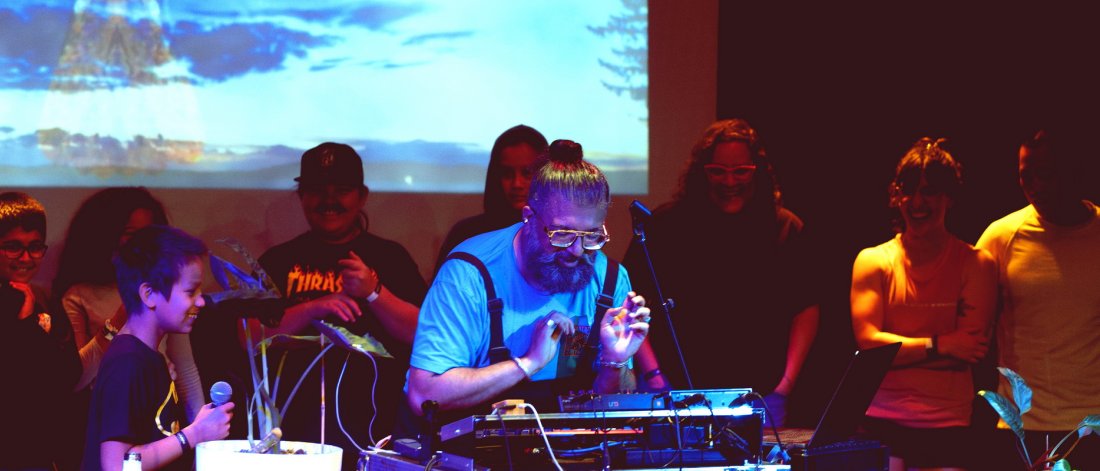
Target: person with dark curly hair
x,y
936,295
85,283
85,290
737,265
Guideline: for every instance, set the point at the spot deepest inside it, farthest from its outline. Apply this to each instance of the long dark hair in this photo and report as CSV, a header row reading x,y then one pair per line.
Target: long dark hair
x,y
496,202
94,232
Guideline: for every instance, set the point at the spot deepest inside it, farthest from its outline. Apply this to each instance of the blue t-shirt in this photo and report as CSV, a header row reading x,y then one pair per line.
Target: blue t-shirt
x,y
453,330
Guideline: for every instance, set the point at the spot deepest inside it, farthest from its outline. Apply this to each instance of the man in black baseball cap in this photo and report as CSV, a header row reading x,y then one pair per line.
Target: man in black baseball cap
x,y
340,273
331,163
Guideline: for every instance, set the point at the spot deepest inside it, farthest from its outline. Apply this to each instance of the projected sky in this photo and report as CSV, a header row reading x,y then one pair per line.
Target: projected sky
x,y
193,93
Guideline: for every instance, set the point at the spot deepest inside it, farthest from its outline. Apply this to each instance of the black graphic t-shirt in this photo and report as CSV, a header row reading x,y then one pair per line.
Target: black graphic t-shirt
x,y
133,401
307,268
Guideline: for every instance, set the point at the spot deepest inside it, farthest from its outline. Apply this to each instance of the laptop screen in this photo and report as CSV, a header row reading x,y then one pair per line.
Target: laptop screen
x,y
853,394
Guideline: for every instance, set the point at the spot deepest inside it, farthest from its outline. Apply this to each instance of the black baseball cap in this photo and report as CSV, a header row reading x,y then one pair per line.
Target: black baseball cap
x,y
333,163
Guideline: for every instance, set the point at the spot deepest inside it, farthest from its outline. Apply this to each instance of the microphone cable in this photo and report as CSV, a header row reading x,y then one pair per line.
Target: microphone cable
x,y
374,407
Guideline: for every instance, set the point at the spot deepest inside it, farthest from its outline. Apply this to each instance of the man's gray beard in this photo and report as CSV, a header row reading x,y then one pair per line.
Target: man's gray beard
x,y
549,274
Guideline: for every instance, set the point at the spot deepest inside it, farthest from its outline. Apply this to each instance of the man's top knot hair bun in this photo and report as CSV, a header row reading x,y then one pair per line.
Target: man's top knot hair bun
x,y
565,151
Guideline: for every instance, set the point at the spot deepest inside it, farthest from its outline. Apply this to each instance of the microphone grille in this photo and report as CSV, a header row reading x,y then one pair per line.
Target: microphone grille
x,y
220,393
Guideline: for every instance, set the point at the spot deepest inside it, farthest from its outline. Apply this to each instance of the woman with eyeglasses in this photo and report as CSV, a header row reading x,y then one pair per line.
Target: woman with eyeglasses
x,y
37,354
936,295
737,266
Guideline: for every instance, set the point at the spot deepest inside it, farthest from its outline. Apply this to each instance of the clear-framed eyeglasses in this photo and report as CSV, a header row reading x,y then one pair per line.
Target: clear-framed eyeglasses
x,y
740,172
590,240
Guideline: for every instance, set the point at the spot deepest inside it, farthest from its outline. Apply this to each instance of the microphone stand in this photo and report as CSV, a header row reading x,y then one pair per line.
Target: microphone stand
x,y
427,439
666,304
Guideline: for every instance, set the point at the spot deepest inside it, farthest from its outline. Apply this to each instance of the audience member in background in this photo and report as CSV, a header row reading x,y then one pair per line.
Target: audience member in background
x,y
37,355
1048,258
936,295
85,282
134,402
85,290
341,273
506,183
734,260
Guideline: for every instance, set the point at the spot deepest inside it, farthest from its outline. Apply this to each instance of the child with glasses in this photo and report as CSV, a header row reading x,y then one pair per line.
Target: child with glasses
x,y
134,404
36,349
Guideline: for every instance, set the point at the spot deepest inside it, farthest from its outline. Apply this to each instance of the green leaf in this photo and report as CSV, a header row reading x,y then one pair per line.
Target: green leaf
x,y
364,344
243,293
1021,393
218,269
1092,422
289,341
1062,465
261,275
1007,410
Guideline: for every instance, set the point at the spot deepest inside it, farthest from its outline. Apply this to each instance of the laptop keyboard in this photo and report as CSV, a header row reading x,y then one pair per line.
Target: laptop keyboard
x,y
790,436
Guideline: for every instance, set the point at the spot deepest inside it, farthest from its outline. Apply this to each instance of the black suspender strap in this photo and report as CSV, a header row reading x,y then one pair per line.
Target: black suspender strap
x,y
605,301
497,351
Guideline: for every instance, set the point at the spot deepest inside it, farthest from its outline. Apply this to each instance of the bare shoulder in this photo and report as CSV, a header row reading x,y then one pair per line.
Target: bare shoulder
x,y
868,263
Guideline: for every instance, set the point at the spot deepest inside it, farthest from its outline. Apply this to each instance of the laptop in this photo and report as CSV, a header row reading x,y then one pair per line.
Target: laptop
x,y
852,396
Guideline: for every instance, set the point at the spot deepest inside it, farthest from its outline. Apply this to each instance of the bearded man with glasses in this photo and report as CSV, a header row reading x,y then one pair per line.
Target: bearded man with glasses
x,y
541,277
737,266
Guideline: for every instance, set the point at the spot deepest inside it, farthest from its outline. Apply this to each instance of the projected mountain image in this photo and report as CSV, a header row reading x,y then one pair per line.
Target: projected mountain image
x,y
209,94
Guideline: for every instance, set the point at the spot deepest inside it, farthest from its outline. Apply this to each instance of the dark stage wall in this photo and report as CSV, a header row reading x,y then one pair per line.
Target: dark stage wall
x,y
839,93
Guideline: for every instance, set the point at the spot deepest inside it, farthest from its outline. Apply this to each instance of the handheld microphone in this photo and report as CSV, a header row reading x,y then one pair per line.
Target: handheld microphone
x,y
220,393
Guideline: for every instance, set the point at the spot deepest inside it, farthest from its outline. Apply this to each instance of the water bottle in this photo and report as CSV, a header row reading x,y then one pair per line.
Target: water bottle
x,y
132,461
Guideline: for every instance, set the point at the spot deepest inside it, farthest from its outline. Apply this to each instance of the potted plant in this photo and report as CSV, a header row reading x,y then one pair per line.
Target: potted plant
x,y
1011,412
264,446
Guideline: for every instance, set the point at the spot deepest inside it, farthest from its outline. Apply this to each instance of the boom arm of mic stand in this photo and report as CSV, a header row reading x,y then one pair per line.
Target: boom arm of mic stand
x,y
666,304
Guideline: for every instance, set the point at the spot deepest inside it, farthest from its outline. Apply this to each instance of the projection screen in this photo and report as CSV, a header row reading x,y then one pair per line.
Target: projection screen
x,y
203,94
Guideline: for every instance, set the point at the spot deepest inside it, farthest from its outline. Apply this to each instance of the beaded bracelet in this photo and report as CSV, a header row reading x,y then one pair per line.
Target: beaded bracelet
x,y
611,364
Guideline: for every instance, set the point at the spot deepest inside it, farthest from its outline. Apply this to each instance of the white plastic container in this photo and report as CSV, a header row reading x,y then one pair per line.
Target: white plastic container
x,y
226,455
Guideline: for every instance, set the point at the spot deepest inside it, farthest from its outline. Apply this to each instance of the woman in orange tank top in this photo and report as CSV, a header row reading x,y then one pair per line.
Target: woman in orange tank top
x,y
936,295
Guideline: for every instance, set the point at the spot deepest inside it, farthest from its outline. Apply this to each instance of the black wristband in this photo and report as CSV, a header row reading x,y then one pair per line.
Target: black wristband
x,y
374,294
184,445
935,345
